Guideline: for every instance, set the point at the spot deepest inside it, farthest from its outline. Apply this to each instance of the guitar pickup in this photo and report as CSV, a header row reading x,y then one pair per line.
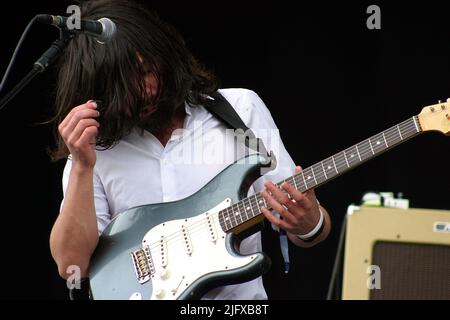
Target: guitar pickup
x,y
143,264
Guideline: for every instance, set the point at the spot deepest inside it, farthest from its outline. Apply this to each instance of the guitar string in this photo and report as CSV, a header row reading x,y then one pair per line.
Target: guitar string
x,y
388,135
407,124
341,160
367,146
194,228
364,152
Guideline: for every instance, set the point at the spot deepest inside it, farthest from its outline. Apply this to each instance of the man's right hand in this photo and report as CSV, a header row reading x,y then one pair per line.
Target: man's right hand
x,y
79,130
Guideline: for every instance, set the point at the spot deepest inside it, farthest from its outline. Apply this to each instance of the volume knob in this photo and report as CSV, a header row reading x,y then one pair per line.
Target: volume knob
x,y
159,294
165,274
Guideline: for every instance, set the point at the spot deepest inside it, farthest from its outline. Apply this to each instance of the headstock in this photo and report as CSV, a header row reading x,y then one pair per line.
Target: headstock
x,y
436,118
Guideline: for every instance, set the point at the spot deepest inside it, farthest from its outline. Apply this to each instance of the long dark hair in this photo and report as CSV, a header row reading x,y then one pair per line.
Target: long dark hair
x,y
113,73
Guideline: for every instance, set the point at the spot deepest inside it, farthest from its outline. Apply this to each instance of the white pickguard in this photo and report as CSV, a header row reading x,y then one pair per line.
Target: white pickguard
x,y
184,250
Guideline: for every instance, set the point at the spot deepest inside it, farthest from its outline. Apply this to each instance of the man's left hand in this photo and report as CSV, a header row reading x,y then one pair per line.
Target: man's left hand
x,y
299,212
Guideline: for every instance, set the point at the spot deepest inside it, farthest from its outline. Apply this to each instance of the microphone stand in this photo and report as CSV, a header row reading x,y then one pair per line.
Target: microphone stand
x,y
47,58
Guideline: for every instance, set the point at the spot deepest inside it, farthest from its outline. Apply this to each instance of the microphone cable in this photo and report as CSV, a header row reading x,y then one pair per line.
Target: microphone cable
x,y
14,56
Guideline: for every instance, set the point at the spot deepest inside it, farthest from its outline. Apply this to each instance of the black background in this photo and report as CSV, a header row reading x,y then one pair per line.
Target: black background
x,y
328,80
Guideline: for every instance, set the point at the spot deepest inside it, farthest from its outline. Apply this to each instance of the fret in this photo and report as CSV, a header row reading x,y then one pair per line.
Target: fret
x,y
320,176
237,213
378,145
399,132
232,219
309,177
323,168
346,160
263,200
357,151
342,161
393,136
329,167
227,219
221,221
371,148
299,182
416,124
260,201
280,188
247,208
352,156
295,183
304,181
334,163
249,199
291,181
410,130
314,175
364,150
385,141
256,206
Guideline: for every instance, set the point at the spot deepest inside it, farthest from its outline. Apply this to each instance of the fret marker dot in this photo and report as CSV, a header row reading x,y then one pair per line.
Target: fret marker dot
x,y
237,213
352,156
378,142
329,167
248,208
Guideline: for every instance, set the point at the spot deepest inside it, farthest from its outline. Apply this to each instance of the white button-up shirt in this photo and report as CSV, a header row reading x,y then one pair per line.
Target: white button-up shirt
x,y
139,170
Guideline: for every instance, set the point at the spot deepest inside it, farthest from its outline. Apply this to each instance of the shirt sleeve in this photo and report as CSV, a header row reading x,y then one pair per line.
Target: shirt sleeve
x,y
100,200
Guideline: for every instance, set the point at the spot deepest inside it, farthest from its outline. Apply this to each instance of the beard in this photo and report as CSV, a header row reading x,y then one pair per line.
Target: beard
x,y
158,120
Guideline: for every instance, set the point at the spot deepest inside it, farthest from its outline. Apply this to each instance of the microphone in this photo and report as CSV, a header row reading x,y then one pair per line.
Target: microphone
x,y
103,30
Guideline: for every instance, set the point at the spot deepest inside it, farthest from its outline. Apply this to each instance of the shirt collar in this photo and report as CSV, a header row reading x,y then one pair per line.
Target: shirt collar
x,y
188,108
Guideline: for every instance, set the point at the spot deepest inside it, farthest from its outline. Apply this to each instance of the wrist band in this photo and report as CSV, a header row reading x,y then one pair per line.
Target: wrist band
x,y
310,236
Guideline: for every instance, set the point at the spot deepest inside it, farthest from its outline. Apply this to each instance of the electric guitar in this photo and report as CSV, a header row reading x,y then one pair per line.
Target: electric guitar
x,y
182,249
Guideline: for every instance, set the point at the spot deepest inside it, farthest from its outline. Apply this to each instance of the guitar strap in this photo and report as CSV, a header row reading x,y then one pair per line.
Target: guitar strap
x,y
223,111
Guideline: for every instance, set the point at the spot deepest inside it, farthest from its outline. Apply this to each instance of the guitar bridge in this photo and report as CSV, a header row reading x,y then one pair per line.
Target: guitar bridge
x,y
143,264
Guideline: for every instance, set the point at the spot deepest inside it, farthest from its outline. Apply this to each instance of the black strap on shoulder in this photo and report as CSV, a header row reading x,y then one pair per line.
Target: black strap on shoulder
x,y
222,109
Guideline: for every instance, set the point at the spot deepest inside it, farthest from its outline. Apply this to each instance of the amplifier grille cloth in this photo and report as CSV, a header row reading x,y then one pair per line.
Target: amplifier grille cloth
x,y
412,271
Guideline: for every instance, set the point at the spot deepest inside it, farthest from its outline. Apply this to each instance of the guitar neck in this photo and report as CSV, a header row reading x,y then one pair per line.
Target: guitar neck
x,y
246,212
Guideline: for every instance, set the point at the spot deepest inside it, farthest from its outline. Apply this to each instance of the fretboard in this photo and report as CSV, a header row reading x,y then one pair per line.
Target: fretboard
x,y
323,171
